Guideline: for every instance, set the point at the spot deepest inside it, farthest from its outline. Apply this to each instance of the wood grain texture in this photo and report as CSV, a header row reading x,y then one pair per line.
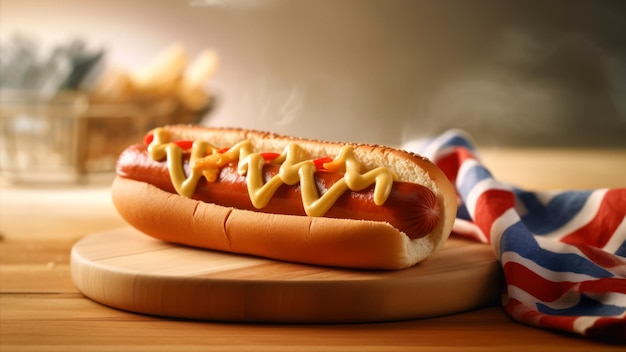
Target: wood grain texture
x,y
74,323
56,317
128,270
556,168
42,310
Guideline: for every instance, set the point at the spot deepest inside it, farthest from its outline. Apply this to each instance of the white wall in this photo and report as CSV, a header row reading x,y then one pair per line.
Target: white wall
x,y
509,72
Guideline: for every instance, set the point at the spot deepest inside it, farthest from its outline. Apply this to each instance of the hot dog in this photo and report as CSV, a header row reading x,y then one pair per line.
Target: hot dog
x,y
286,198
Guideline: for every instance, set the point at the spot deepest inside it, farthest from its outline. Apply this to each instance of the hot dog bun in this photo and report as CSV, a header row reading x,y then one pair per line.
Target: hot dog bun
x,y
312,240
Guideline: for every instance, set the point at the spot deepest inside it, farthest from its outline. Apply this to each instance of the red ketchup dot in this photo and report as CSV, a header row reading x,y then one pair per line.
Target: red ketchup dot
x,y
148,138
184,145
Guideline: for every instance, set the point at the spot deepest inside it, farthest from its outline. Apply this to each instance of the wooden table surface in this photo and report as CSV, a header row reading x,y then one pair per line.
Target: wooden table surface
x,y
41,310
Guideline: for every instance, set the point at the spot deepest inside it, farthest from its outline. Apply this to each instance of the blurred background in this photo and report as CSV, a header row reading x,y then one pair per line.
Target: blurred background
x,y
511,73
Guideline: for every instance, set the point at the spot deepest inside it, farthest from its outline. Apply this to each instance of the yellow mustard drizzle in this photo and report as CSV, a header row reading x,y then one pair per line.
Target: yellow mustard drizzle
x,y
160,148
206,161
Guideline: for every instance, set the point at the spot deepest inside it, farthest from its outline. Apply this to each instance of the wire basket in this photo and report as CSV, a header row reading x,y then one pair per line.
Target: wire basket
x,y
67,138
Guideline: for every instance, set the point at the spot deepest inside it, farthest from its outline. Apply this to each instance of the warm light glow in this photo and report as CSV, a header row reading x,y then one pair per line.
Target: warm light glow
x,y
512,72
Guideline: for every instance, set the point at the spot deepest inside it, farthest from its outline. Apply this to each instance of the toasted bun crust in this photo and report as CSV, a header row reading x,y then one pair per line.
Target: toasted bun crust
x,y
311,240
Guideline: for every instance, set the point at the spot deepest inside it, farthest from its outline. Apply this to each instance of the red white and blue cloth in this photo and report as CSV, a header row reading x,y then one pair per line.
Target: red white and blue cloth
x,y
563,253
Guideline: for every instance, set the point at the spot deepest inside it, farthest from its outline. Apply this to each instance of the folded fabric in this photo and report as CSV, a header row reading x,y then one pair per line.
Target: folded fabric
x,y
563,253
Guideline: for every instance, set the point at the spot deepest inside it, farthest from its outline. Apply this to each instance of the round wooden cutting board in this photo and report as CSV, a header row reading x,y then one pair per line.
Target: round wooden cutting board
x,y
131,271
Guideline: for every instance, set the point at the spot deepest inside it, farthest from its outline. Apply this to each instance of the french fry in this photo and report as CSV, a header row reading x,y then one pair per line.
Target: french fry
x,y
114,86
168,77
193,91
201,69
163,75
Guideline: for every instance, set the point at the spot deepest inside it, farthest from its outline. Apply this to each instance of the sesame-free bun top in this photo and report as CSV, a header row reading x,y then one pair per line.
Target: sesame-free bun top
x,y
312,240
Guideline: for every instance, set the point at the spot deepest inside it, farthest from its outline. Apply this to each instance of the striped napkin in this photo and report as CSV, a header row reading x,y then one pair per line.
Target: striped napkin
x,y
563,253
